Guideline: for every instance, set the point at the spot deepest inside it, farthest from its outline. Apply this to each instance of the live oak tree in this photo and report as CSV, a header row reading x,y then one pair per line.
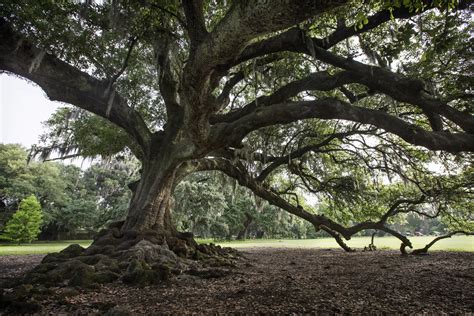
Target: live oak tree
x,y
248,88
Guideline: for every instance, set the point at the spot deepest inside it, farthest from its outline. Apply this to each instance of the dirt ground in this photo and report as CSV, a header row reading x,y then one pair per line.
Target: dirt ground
x,y
288,281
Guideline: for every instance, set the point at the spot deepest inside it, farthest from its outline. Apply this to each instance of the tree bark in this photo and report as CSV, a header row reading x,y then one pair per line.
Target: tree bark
x,y
151,202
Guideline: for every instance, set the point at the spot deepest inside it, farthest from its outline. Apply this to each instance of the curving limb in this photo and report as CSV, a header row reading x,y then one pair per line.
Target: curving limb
x,y
319,221
206,63
318,81
65,83
332,108
424,250
397,86
294,40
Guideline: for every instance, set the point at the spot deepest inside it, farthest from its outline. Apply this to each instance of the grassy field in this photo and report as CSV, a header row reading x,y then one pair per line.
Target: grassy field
x,y
456,243
39,247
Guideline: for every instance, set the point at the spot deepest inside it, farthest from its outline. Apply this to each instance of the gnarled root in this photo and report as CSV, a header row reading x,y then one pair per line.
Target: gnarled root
x,y
138,258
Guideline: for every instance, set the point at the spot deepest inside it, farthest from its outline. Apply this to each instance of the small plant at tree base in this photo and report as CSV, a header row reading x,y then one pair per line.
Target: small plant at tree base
x,y
25,225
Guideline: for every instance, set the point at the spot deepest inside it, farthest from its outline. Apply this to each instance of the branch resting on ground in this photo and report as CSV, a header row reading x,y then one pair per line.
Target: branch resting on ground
x,y
425,249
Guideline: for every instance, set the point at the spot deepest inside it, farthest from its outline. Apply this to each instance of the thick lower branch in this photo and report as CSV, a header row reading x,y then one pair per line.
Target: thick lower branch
x,y
332,108
260,190
65,83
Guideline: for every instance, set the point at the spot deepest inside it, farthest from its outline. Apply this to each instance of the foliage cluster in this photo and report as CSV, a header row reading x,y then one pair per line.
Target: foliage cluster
x,y
25,224
73,200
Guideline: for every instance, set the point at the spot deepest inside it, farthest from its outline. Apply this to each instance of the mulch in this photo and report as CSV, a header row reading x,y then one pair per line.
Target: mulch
x,y
287,281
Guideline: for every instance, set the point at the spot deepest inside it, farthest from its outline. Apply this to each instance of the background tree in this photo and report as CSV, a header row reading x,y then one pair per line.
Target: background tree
x,y
18,180
73,200
25,225
212,206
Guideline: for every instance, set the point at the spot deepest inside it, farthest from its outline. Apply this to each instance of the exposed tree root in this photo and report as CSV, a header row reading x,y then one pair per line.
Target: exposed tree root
x,y
136,258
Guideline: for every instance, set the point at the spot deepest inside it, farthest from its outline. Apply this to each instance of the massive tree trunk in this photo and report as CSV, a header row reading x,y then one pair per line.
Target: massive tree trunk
x,y
144,249
151,202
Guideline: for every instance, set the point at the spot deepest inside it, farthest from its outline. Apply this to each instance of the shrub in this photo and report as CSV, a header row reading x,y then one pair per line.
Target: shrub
x,y
25,224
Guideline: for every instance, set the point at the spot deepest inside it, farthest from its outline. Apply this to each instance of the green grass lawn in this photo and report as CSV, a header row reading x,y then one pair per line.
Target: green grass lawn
x,y
456,243
39,247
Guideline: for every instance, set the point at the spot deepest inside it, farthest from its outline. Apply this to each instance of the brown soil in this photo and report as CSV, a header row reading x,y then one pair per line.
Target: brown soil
x,y
287,281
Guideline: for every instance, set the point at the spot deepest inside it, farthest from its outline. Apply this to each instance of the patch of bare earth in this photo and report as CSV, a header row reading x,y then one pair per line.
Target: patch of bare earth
x,y
288,281
14,266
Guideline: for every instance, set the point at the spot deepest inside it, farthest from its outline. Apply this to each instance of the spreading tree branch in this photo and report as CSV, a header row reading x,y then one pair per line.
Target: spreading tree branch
x,y
321,81
332,108
393,209
294,40
252,19
397,86
195,23
300,152
65,83
273,198
244,21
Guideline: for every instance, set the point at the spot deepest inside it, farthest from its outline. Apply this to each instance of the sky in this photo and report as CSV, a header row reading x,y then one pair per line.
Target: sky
x,y
23,108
